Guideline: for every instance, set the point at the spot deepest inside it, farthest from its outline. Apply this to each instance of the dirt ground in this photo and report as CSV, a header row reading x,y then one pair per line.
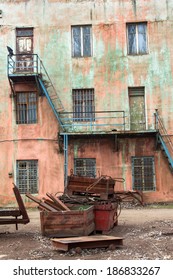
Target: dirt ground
x,y
147,234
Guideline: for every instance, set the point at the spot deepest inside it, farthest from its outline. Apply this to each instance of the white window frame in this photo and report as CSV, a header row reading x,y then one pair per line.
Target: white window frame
x,y
81,37
137,38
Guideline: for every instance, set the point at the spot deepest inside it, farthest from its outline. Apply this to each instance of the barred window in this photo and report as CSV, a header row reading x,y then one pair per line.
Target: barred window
x,y
83,105
137,38
85,167
81,41
27,176
143,173
26,108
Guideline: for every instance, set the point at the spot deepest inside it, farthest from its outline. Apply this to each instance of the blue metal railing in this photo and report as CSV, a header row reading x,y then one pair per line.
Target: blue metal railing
x,y
31,64
93,121
164,138
23,63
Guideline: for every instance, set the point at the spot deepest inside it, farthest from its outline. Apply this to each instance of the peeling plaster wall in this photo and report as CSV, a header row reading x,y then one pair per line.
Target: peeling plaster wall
x,y
117,164
110,71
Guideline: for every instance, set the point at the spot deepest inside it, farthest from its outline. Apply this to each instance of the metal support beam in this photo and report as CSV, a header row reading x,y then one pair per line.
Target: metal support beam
x,y
157,141
115,148
65,160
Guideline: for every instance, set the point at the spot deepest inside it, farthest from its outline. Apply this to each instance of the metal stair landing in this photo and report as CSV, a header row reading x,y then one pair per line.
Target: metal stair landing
x,y
35,72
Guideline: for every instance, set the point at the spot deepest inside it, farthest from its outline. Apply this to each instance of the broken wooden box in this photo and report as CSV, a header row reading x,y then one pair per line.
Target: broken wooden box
x,y
78,221
103,186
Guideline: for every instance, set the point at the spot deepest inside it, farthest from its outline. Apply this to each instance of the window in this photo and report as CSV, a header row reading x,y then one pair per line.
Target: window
x,y
143,173
27,176
81,41
24,50
85,167
83,105
26,108
137,38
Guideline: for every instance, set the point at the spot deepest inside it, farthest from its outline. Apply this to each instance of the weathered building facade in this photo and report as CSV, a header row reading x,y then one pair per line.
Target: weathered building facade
x,y
89,91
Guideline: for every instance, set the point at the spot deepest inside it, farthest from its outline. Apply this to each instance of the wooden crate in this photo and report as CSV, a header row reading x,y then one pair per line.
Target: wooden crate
x,y
104,187
77,222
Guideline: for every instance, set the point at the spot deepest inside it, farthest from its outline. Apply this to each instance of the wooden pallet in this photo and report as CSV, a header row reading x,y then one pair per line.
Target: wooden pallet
x,y
87,242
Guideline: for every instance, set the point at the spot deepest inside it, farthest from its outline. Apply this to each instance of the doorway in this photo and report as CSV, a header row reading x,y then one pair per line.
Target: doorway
x,y
24,50
137,108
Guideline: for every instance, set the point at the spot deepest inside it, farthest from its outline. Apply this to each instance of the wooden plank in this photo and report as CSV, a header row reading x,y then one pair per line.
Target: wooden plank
x,y
41,203
51,203
58,202
7,221
86,242
10,212
92,238
20,203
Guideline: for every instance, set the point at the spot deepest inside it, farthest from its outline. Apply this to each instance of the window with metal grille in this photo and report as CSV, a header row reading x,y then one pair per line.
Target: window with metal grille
x,y
143,173
27,176
26,107
85,167
81,41
137,38
83,105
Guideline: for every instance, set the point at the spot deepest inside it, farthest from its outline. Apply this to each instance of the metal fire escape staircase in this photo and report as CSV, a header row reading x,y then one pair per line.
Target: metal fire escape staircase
x,y
45,83
164,140
20,70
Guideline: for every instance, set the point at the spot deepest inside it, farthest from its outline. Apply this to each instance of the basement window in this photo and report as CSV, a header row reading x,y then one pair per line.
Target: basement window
x,y
137,38
83,105
26,108
143,173
81,41
85,167
27,176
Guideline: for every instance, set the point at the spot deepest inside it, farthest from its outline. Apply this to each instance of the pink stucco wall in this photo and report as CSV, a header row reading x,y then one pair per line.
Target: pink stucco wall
x,y
110,71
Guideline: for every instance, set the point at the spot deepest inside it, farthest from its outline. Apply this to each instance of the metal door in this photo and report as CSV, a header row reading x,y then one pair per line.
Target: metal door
x,y
24,49
137,108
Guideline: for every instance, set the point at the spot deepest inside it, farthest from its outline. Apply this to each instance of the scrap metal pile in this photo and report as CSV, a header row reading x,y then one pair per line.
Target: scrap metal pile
x,y
87,205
